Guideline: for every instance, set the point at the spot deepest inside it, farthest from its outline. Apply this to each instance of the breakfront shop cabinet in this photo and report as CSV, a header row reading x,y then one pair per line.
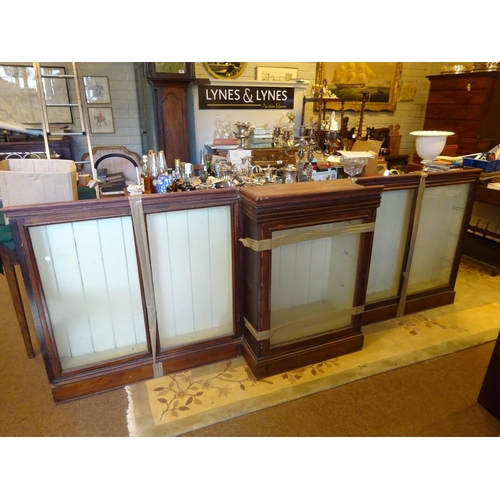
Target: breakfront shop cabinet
x,y
90,284
305,267
285,275
466,104
421,224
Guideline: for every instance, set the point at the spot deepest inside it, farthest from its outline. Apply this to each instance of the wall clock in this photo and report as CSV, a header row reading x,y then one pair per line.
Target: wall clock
x,y
170,70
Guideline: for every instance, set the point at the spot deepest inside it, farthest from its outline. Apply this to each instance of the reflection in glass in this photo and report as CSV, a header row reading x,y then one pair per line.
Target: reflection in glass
x,y
191,260
90,280
313,279
442,216
389,242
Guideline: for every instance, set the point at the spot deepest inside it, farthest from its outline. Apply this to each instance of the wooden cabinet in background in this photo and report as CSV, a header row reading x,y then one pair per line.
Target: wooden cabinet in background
x,y
59,148
273,156
164,108
172,119
466,104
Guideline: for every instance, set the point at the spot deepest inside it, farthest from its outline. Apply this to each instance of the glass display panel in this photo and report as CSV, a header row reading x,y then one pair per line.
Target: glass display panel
x,y
312,283
439,229
391,228
90,281
191,260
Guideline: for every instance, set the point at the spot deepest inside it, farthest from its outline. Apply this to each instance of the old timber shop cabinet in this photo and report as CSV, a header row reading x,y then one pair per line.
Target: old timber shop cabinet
x,y
124,289
305,271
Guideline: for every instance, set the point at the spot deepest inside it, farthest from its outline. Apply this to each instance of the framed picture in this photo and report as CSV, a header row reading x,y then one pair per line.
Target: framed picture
x,y
97,89
346,80
275,74
101,120
170,70
19,98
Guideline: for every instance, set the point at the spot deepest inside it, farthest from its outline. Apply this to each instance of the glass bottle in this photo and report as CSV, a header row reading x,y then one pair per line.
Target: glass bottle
x,y
172,187
177,169
162,163
187,184
145,176
202,172
210,170
153,168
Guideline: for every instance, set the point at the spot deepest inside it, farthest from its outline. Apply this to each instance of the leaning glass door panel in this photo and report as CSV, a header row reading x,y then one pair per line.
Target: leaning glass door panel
x,y
439,229
389,240
191,260
90,280
312,282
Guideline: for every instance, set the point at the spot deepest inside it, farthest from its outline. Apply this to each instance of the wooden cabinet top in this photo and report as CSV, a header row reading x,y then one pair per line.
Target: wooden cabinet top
x,y
462,76
306,198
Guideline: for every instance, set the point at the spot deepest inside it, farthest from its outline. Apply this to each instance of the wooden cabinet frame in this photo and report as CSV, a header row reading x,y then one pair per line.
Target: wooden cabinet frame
x,y
379,310
257,214
302,205
70,383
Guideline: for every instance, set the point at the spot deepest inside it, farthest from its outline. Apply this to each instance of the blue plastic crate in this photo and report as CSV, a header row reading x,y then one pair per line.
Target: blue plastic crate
x,y
487,166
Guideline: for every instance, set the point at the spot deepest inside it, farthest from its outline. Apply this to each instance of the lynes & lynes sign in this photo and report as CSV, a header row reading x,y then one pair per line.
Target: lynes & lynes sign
x,y
224,97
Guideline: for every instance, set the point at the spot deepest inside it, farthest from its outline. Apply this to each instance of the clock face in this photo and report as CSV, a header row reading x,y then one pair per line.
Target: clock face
x,y
171,67
170,71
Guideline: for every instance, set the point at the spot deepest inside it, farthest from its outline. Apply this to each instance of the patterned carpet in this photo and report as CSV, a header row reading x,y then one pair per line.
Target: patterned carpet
x,y
181,402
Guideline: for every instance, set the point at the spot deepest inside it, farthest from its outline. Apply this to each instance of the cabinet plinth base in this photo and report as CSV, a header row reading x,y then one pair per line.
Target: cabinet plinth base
x,y
106,379
274,364
383,311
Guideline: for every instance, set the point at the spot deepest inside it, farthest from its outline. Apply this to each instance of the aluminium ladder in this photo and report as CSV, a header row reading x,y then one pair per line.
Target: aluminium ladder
x,y
44,105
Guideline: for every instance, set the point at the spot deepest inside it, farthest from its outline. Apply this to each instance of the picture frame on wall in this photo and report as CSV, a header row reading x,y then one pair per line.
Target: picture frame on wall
x,y
97,89
275,74
101,120
346,80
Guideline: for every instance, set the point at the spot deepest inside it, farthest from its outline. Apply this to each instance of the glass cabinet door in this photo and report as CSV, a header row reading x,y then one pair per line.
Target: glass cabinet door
x,y
191,262
313,282
439,230
389,241
89,275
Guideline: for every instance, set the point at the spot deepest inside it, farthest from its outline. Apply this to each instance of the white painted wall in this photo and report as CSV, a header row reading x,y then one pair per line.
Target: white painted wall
x,y
408,114
204,119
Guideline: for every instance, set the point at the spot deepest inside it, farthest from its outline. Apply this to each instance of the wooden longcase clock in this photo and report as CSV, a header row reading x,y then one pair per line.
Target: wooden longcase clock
x,y
170,81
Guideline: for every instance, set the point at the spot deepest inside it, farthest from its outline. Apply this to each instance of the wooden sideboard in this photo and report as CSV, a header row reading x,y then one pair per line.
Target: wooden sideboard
x,y
304,270
466,104
273,156
62,148
264,157
102,323
482,241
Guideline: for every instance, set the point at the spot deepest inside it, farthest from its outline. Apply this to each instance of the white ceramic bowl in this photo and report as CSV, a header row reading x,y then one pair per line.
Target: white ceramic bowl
x,y
430,143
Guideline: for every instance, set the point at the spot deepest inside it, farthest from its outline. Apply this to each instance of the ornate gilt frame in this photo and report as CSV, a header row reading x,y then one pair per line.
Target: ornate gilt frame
x,y
386,76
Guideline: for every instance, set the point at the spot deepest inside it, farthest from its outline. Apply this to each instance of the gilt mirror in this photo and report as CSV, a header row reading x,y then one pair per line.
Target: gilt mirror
x,y
225,70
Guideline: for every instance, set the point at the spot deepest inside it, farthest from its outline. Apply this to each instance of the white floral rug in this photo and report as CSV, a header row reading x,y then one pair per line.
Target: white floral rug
x,y
181,402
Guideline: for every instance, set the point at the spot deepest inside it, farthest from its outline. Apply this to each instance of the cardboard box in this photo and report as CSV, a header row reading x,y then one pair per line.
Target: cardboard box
x,y
372,146
34,181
